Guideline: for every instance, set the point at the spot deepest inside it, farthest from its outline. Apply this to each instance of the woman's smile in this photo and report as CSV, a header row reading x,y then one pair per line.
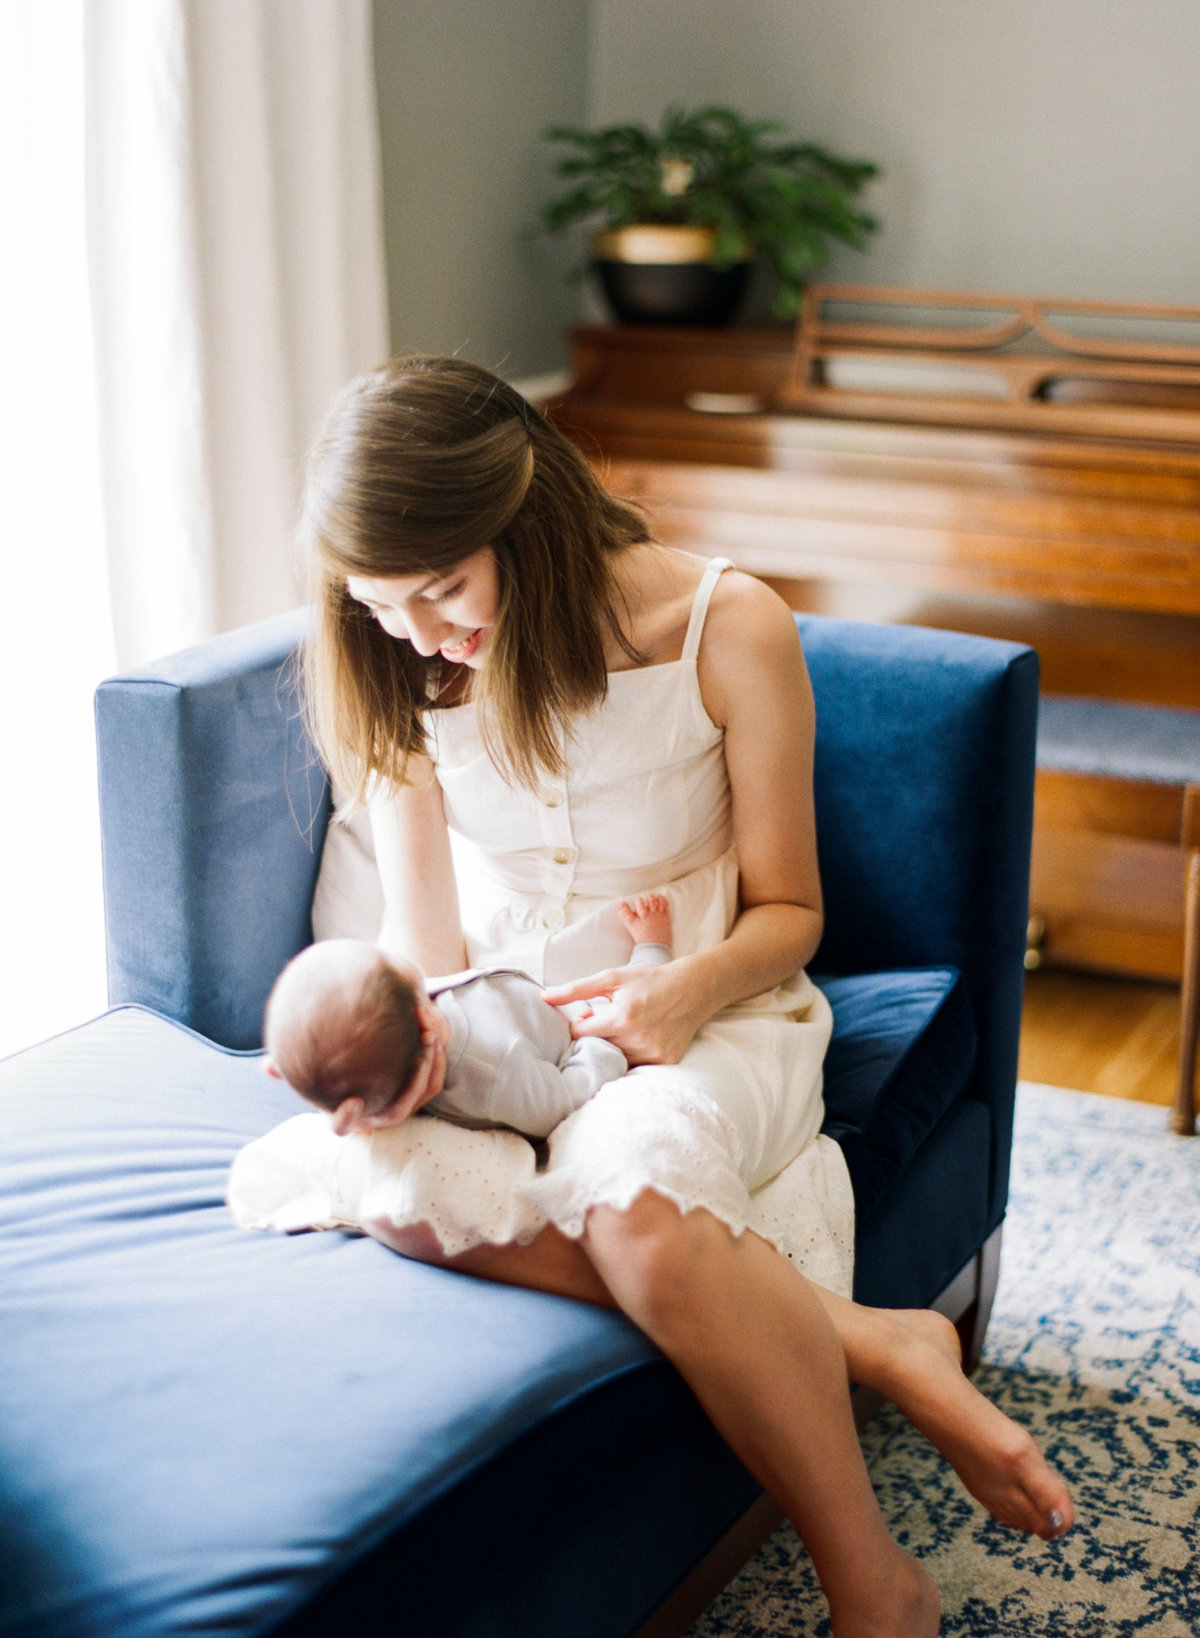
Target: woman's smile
x,y
462,653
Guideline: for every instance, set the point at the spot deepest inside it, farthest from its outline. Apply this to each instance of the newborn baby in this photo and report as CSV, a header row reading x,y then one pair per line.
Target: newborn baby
x,y
357,1033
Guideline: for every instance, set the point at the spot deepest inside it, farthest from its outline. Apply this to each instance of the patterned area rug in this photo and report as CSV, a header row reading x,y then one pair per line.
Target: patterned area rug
x,y
1094,1344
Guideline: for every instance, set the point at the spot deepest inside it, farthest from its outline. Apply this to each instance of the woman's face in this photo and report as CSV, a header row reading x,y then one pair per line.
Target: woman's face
x,y
449,613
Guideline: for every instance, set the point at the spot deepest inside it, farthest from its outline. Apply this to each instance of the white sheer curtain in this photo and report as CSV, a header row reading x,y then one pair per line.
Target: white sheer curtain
x,y
55,626
193,265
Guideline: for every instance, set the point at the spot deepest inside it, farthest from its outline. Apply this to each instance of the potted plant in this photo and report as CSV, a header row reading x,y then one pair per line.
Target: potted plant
x,y
679,214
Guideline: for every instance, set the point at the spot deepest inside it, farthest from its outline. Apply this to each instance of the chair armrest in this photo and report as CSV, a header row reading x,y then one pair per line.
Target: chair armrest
x,y
926,744
213,811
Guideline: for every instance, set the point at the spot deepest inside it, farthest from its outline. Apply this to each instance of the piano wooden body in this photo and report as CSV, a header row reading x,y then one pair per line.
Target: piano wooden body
x,y
1077,531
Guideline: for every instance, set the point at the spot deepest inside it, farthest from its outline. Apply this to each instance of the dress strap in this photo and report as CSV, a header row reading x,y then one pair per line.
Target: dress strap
x,y
716,567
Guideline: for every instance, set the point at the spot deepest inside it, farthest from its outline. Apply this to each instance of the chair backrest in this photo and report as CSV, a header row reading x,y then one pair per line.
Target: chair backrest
x,y
924,788
213,812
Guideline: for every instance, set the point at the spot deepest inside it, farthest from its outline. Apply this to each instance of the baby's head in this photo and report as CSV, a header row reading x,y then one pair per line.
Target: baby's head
x,y
347,1029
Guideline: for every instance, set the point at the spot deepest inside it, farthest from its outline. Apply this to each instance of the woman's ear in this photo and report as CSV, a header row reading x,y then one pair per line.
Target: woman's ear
x,y
347,1116
268,1066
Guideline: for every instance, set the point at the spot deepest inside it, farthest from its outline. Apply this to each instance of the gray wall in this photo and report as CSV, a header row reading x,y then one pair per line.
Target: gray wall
x,y
1042,147
1047,147
465,88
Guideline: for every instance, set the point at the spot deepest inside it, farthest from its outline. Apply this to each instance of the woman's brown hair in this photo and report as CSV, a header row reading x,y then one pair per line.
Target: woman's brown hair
x,y
421,464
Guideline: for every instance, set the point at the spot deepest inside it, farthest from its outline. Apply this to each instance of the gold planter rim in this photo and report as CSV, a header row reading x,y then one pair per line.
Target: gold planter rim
x,y
656,243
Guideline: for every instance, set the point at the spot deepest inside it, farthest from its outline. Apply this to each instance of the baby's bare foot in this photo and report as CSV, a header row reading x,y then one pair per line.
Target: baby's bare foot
x,y
994,1457
647,918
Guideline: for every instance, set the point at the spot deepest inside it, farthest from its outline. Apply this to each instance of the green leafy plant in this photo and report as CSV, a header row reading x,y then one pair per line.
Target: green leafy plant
x,y
777,200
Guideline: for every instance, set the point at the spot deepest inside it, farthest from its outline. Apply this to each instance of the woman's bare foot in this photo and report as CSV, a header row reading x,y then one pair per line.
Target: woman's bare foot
x,y
936,1329
902,1602
994,1457
647,918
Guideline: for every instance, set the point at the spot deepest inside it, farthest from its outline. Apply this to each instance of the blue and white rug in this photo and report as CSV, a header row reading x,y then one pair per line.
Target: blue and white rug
x,y
1094,1344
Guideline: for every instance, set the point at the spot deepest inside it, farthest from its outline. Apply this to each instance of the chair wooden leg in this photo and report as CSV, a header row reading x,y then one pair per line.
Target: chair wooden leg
x,y
973,1326
1183,1116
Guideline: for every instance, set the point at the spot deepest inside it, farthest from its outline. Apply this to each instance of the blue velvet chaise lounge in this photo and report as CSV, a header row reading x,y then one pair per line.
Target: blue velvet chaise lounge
x,y
211,1431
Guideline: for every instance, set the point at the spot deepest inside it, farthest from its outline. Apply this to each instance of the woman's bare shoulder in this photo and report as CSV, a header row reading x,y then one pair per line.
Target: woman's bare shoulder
x,y
747,621
750,642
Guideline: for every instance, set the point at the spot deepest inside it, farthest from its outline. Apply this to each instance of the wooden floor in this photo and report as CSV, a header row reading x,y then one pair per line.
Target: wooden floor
x,y
1118,1036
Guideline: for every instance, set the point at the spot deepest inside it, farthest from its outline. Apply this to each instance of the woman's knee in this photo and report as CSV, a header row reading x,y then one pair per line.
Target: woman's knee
x,y
656,1260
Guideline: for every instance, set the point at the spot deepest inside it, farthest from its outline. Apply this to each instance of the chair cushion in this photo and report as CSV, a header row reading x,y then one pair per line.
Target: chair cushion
x,y
204,1428
1113,741
902,1051
209,1429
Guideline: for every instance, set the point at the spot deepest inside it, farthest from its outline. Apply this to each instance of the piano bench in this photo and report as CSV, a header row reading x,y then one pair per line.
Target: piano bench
x,y
1131,771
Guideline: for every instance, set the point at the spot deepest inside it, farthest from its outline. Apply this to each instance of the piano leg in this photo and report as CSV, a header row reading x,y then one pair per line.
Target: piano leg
x,y
1183,1118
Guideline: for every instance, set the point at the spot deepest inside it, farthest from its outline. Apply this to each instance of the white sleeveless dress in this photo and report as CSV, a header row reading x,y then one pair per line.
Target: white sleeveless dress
x,y
734,1128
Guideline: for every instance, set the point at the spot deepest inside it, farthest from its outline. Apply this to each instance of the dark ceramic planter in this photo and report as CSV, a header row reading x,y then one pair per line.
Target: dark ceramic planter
x,y
673,292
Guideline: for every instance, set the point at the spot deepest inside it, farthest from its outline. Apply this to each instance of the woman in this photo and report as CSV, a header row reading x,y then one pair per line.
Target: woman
x,y
502,650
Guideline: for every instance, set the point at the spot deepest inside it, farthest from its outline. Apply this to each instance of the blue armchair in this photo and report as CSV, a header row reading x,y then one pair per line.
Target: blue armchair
x,y
240,1432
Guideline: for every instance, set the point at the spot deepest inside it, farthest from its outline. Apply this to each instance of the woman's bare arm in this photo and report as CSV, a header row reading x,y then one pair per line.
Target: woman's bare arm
x,y
755,685
412,845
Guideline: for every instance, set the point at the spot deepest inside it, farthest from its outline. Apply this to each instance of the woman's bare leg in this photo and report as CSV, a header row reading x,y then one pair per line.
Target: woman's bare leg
x,y
764,1359
550,1263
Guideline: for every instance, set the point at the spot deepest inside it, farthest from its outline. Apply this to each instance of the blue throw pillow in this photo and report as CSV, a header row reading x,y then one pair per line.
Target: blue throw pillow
x,y
902,1051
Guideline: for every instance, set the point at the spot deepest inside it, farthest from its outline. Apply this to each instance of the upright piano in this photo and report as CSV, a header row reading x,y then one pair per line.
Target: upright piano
x,y
1059,505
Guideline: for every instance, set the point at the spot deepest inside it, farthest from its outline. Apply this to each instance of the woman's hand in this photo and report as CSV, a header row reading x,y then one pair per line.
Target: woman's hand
x,y
654,1011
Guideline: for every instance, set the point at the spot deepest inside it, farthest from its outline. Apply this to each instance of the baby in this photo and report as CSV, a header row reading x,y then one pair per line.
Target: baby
x,y
353,1032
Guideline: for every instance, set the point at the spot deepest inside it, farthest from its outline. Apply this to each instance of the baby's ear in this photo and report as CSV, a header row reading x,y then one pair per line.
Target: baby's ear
x,y
268,1065
347,1116
427,1017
